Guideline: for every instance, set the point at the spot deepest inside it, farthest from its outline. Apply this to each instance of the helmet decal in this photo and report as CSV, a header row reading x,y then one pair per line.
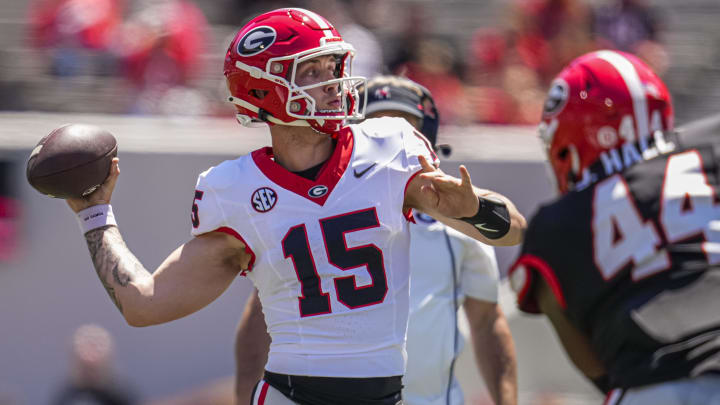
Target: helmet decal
x,y
557,97
634,85
256,40
607,137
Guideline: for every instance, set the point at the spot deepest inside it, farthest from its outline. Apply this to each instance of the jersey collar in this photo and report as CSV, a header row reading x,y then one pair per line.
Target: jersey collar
x,y
317,190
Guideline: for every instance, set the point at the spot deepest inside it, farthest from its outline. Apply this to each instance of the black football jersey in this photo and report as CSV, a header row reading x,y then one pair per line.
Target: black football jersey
x,y
633,258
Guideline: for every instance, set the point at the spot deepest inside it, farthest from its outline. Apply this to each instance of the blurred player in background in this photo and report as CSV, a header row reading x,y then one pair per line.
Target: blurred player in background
x,y
318,222
10,212
71,31
93,378
625,262
447,268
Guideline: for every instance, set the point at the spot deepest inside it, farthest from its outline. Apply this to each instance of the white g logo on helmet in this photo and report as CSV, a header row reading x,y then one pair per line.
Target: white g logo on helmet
x,y
557,97
256,40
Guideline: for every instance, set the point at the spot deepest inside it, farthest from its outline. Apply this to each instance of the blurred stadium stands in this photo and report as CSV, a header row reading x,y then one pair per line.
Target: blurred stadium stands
x,y
688,32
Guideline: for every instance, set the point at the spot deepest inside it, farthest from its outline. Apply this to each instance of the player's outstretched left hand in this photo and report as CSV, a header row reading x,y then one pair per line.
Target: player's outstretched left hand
x,y
448,195
100,196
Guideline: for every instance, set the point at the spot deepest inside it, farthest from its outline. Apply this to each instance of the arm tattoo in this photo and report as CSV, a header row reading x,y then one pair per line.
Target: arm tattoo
x,y
115,265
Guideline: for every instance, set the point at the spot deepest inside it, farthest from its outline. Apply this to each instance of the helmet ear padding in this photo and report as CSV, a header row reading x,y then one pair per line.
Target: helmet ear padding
x,y
259,94
574,172
262,115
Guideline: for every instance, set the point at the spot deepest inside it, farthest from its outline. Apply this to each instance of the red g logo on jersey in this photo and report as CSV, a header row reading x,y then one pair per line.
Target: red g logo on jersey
x,y
263,199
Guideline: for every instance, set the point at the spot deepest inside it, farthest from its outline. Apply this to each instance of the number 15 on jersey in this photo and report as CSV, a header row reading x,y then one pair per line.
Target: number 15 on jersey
x,y
296,247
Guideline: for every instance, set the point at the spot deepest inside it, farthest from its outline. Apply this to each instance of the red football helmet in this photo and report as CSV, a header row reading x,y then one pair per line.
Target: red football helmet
x,y
598,102
261,64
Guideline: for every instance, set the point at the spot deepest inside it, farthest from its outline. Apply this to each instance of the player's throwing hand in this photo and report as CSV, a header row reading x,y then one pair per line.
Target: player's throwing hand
x,y
100,196
448,195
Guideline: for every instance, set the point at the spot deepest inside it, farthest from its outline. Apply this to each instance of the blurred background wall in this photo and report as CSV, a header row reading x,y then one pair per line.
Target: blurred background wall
x,y
150,72
485,61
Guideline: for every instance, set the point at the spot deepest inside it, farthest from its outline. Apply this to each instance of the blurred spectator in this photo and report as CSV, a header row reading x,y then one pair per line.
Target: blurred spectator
x,y
368,61
9,213
503,89
93,380
405,42
550,33
524,85
160,49
631,26
435,66
239,12
654,54
489,54
70,30
491,105
624,24
162,42
509,69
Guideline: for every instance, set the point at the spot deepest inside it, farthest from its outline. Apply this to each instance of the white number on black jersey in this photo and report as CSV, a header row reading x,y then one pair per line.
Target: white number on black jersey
x,y
688,208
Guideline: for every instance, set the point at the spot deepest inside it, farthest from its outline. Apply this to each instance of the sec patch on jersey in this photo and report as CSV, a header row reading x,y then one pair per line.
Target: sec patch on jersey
x,y
72,161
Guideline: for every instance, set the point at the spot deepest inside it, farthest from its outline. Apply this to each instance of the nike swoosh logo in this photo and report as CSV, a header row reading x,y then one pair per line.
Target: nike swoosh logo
x,y
482,228
360,174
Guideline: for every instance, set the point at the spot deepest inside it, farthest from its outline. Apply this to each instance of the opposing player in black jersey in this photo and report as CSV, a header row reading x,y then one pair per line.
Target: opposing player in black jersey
x,y
625,262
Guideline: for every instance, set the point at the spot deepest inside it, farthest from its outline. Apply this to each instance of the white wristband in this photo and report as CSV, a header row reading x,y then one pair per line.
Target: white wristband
x,y
95,217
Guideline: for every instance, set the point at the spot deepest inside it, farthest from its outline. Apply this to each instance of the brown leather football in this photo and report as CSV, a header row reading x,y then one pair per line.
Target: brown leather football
x,y
72,161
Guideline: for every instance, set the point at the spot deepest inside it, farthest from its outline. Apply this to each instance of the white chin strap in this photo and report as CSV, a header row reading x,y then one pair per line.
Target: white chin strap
x,y
246,120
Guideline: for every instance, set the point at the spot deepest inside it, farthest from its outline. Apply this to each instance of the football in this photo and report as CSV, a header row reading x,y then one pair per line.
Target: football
x,y
71,161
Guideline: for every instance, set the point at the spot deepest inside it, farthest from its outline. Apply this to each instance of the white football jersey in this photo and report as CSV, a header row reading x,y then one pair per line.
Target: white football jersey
x,y
329,256
446,266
